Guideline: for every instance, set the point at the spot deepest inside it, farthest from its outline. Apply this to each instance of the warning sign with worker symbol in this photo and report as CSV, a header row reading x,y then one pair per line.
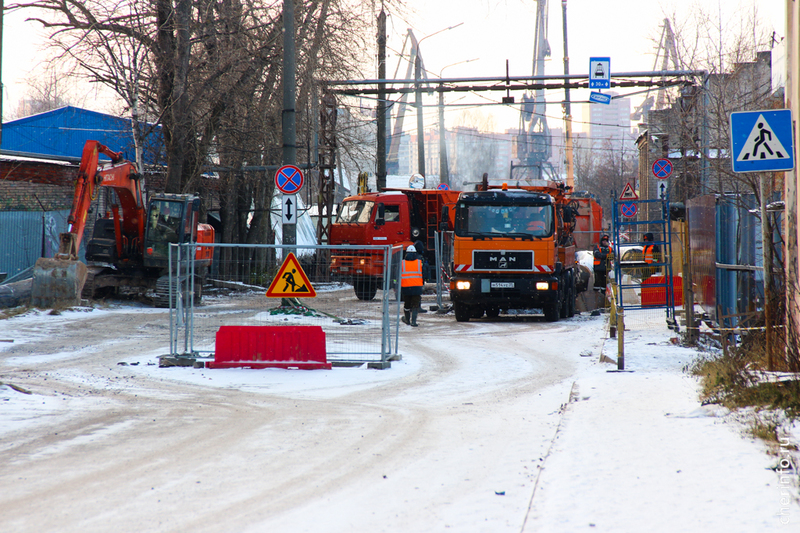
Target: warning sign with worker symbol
x,y
291,280
761,141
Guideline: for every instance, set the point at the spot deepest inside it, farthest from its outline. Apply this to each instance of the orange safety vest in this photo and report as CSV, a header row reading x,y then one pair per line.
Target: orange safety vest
x,y
648,253
412,274
599,250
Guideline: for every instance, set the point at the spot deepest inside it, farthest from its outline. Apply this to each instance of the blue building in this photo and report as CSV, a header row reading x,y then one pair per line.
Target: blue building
x,y
64,131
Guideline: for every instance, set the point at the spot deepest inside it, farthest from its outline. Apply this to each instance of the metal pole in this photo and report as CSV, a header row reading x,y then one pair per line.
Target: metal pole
x,y
289,132
620,339
2,9
444,174
568,156
766,249
420,125
380,173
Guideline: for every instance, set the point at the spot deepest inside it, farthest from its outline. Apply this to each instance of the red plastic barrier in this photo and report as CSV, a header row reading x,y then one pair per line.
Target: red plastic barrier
x,y
270,347
657,296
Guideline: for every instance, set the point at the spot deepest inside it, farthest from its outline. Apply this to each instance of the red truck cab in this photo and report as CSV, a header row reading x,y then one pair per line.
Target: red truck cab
x,y
393,217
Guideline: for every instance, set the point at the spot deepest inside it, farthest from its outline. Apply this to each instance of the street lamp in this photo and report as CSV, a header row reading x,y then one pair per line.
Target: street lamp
x,y
444,174
418,99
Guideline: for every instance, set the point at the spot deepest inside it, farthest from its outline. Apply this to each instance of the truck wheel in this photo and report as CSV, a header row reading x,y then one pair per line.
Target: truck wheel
x,y
552,311
563,294
573,293
463,313
365,289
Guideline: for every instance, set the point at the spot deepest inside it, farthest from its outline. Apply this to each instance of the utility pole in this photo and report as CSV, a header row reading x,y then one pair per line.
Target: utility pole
x,y
380,172
765,192
289,132
420,124
2,9
444,174
567,109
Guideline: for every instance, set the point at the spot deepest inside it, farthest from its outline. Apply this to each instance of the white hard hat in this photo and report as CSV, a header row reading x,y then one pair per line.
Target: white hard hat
x,y
411,248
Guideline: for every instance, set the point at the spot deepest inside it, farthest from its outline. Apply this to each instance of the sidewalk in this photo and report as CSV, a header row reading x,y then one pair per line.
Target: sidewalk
x,y
636,452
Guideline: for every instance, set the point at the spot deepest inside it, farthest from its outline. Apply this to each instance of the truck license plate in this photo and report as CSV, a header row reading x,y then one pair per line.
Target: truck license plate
x,y
502,285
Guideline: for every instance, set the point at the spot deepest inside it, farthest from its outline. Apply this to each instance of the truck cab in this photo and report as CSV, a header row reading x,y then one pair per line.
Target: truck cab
x,y
513,249
392,217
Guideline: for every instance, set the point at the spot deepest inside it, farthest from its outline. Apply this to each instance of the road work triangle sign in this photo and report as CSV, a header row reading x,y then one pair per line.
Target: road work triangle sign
x,y
762,144
291,280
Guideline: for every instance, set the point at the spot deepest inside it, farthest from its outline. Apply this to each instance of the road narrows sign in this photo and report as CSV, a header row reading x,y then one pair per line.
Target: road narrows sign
x,y
291,280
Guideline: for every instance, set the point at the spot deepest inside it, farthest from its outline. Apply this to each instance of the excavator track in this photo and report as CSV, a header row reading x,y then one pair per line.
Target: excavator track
x,y
162,292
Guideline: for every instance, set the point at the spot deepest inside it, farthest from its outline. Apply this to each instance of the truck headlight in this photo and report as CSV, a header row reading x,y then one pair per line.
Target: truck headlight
x,y
542,285
463,285
362,261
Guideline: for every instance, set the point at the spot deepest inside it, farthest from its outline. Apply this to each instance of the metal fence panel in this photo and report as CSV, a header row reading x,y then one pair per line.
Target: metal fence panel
x,y
23,231
355,313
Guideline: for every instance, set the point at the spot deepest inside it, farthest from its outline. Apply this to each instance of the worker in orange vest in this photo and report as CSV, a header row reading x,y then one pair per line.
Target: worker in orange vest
x,y
651,253
603,255
411,286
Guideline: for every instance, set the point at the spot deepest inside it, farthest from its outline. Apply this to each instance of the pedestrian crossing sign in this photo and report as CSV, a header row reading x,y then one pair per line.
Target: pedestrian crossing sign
x,y
291,280
762,141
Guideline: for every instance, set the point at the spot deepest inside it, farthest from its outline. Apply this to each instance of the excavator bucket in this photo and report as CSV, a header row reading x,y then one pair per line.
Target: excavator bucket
x,y
57,282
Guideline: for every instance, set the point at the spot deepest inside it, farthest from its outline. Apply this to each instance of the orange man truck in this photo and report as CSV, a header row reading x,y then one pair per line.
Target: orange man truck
x,y
514,249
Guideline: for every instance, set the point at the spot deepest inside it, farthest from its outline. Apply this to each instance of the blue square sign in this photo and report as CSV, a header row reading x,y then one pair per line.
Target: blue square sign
x,y
599,72
762,141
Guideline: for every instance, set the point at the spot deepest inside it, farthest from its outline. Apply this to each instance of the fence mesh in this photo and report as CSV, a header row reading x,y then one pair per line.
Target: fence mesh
x,y
352,307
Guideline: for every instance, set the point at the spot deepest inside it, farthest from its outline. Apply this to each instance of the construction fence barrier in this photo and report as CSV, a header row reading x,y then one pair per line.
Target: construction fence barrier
x,y
355,311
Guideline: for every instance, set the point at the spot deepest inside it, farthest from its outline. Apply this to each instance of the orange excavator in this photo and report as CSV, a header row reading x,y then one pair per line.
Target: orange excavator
x,y
129,246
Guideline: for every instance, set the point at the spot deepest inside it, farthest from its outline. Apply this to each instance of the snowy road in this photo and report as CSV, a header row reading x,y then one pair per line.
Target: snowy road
x,y
451,437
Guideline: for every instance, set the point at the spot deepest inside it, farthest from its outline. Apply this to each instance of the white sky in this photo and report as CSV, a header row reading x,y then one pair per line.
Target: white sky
x,y
492,31
496,30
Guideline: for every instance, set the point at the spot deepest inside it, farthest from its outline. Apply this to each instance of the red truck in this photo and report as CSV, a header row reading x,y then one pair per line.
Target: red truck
x,y
394,216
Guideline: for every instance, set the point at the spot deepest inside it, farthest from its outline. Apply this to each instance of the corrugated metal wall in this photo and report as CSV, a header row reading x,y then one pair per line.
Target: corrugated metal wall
x,y
725,234
701,216
21,244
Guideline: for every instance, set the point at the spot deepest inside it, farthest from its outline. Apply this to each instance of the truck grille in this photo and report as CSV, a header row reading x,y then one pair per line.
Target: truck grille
x,y
502,260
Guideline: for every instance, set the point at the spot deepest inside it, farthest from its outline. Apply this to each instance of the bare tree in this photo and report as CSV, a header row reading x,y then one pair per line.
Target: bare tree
x,y
210,74
46,92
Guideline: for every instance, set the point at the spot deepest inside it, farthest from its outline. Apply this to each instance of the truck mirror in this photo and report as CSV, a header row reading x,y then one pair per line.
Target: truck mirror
x,y
444,221
380,219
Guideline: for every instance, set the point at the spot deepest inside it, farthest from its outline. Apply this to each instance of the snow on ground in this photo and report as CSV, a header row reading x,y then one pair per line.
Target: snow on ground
x,y
633,451
640,440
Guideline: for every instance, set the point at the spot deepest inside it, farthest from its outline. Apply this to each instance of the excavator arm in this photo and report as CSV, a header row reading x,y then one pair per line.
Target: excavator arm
x,y
85,190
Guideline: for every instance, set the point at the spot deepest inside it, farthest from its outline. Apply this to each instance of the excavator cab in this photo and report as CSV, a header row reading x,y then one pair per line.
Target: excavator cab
x,y
170,219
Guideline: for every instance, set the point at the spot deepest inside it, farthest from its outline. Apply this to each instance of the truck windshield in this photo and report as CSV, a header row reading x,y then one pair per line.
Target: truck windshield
x,y
355,212
476,220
